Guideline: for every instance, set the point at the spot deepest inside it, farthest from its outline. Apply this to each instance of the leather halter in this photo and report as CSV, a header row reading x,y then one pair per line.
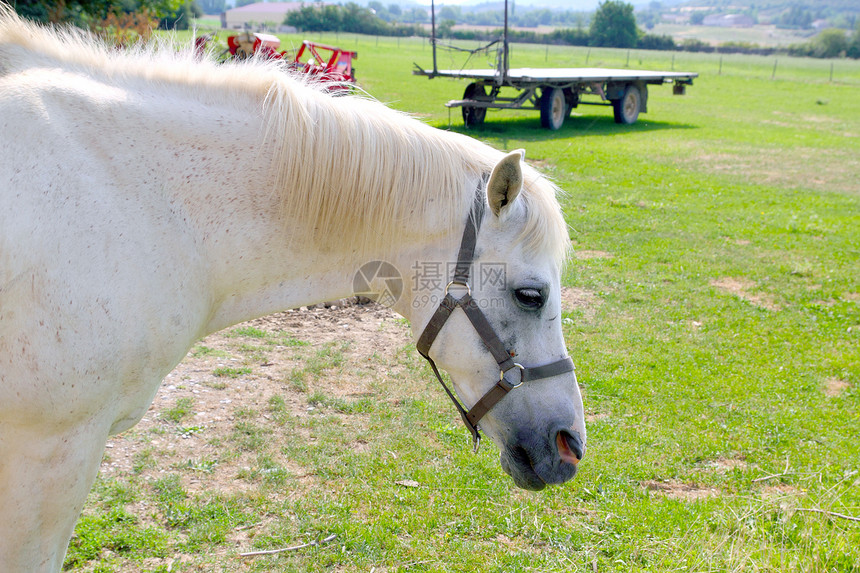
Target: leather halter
x,y
503,356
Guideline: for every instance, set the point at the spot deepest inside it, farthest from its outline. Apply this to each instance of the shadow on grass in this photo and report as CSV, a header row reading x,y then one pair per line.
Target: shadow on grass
x,y
529,128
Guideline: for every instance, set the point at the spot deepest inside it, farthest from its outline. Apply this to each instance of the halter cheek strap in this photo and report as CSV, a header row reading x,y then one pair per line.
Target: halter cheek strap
x,y
503,357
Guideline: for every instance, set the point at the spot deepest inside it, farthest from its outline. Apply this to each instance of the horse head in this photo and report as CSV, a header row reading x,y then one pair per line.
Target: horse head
x,y
497,331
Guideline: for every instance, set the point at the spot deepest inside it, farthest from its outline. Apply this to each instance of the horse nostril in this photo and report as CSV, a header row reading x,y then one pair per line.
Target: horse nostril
x,y
570,446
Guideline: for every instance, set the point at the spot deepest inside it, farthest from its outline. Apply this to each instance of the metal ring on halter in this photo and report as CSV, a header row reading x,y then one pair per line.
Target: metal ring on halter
x,y
459,283
516,365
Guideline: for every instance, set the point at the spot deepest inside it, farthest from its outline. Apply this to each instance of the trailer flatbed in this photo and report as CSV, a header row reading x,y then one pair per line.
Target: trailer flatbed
x,y
545,75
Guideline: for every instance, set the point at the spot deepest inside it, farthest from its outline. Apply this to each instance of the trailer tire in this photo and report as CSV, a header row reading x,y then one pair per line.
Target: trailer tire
x,y
626,109
474,116
553,108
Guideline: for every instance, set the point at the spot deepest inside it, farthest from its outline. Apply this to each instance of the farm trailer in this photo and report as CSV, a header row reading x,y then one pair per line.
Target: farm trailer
x,y
552,91
556,91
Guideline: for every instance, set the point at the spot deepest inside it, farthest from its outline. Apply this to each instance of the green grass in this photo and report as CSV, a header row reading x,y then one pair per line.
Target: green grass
x,y
710,428
179,411
226,372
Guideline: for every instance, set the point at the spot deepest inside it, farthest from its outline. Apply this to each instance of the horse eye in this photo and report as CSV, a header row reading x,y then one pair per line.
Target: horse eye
x,y
529,298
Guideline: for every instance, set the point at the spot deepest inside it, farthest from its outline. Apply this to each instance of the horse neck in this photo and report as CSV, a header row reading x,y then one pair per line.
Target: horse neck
x,y
258,264
260,267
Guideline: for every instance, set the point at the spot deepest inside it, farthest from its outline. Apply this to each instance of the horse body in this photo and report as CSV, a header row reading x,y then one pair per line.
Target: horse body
x,y
118,250
141,210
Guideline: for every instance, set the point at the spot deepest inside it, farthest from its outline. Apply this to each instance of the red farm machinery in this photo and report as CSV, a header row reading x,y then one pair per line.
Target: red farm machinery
x,y
324,63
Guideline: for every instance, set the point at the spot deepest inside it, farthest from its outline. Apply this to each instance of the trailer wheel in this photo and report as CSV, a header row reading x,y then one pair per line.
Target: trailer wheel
x,y
474,116
553,108
626,109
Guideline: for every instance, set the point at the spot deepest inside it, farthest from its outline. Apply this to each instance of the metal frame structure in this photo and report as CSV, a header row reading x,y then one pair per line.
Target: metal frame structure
x,y
554,92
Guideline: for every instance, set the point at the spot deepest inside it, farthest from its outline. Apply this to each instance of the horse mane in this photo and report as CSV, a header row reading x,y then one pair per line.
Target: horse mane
x,y
348,169
380,175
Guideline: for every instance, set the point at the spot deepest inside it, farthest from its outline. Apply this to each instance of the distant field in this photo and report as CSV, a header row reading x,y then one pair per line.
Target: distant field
x,y
712,307
762,35
207,23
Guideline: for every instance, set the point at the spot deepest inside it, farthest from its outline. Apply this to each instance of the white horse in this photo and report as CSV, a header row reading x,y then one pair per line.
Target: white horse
x,y
147,200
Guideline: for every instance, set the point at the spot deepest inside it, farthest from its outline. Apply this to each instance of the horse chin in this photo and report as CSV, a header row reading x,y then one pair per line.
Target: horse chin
x,y
517,465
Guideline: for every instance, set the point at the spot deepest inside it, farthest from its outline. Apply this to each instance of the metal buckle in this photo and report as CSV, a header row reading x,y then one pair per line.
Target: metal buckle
x,y
458,283
516,365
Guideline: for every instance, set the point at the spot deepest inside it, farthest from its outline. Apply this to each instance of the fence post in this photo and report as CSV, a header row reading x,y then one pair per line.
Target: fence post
x,y
587,54
831,72
627,65
773,75
673,61
546,54
721,66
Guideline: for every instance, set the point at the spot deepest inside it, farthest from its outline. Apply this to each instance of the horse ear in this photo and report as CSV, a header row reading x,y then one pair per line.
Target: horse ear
x,y
506,181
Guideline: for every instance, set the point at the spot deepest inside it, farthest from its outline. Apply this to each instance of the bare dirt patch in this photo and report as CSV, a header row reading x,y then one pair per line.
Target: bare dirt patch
x,y
239,384
780,490
580,299
824,170
742,288
585,254
723,465
678,490
595,416
834,387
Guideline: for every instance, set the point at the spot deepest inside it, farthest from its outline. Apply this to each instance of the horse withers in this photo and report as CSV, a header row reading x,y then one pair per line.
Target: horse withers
x,y
148,199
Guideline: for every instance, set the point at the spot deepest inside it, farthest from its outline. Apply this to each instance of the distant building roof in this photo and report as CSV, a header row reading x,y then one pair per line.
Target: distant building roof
x,y
279,7
259,13
728,20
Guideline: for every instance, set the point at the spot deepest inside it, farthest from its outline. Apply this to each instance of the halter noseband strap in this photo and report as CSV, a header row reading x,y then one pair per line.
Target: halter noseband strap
x,y
488,336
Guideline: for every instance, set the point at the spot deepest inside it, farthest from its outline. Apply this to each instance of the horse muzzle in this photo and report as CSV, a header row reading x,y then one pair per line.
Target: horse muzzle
x,y
536,461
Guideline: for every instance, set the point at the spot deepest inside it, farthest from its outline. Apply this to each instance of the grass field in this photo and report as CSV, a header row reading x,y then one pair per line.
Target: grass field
x,y
718,252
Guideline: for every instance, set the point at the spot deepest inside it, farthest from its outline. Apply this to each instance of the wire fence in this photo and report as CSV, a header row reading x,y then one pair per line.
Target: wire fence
x,y
844,71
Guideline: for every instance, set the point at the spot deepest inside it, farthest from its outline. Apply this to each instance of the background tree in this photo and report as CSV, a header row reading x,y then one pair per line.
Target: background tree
x,y
795,17
316,18
212,6
614,25
349,18
450,13
359,20
181,18
417,15
89,12
445,28
830,43
380,11
854,46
